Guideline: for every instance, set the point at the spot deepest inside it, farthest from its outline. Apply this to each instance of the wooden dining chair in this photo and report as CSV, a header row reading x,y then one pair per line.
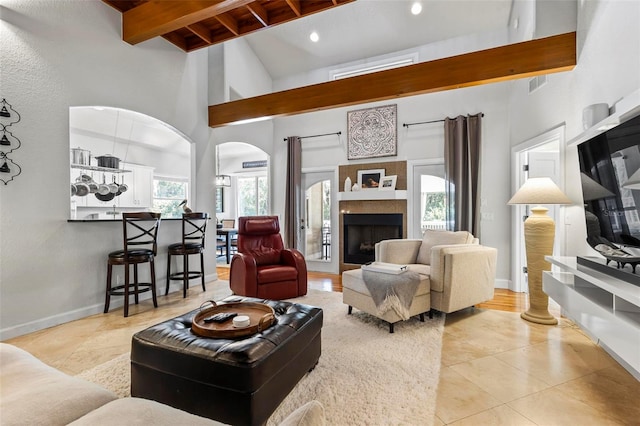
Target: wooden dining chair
x,y
140,231
194,227
230,224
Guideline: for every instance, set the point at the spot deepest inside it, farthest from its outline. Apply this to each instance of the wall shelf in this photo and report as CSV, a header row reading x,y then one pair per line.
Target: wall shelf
x,y
625,109
372,194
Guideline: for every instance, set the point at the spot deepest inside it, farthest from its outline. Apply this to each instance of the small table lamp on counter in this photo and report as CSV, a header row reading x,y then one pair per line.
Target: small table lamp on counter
x,y
539,233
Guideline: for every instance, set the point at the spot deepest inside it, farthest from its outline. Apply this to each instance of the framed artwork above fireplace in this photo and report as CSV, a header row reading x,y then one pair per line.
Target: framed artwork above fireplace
x,y
372,132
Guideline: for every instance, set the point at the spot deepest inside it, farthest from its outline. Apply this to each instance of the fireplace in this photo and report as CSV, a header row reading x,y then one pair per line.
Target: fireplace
x,y
362,232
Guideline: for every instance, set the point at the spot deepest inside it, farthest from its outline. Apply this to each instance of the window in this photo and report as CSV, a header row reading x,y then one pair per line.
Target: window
x,y
318,221
432,202
219,200
167,195
253,195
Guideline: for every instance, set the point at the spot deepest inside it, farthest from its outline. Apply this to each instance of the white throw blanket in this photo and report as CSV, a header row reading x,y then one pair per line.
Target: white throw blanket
x,y
392,291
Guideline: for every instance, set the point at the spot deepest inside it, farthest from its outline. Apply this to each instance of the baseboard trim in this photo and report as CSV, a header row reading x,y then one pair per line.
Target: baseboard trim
x,y
52,321
502,283
30,327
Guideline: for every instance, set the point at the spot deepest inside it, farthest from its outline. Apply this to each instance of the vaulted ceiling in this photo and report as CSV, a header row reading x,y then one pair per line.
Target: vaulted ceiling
x,y
192,25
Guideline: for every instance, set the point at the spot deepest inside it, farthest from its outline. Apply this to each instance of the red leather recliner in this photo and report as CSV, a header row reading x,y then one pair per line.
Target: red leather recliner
x,y
262,267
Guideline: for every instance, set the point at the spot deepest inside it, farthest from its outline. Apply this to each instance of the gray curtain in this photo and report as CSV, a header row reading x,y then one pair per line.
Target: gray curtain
x,y
292,202
462,137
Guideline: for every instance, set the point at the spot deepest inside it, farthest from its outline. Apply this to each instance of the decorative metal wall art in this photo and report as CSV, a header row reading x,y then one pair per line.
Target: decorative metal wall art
x,y
8,143
372,132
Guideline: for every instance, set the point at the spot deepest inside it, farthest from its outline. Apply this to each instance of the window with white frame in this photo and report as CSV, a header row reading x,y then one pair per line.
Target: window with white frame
x,y
168,193
253,196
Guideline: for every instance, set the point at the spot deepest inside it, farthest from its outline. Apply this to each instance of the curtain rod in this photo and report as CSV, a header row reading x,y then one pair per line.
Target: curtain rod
x,y
429,122
315,136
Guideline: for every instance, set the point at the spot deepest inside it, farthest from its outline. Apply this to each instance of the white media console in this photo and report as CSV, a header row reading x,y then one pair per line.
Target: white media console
x,y
606,308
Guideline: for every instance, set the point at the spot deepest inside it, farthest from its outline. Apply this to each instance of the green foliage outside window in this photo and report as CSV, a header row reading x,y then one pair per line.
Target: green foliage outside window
x,y
167,195
263,196
326,201
434,207
253,196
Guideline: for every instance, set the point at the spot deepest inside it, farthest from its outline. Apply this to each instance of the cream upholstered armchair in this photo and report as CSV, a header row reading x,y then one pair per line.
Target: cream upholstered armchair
x,y
460,270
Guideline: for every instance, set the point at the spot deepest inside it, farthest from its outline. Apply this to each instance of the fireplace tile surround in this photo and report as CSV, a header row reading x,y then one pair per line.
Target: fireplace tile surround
x,y
371,206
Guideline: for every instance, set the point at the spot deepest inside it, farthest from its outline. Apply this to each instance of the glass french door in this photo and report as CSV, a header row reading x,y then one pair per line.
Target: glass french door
x,y
429,188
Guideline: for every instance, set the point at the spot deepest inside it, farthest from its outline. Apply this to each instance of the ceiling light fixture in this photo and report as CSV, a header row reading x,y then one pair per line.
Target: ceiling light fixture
x,y
221,180
314,37
416,8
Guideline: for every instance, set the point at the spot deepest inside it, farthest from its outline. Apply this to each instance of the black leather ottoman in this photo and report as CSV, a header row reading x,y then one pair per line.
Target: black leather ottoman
x,y
240,381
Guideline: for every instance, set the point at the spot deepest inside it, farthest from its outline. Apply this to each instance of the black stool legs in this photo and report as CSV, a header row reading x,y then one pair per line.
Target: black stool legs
x,y
125,289
186,274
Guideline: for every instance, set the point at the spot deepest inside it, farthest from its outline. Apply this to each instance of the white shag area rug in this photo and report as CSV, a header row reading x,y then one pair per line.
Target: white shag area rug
x,y
365,376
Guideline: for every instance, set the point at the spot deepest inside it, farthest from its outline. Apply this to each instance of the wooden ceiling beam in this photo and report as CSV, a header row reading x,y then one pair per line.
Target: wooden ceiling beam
x,y
229,23
295,6
201,31
153,19
259,12
520,60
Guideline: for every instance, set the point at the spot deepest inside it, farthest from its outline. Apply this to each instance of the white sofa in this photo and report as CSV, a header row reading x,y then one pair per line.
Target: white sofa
x,y
33,393
460,271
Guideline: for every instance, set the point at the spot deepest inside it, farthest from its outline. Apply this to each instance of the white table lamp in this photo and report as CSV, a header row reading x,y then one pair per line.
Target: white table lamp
x,y
539,233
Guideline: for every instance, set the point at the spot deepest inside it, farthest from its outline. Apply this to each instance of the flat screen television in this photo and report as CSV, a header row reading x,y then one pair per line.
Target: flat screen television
x,y
610,178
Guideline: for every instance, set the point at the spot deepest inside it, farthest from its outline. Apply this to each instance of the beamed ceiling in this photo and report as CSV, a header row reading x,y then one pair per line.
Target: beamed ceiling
x,y
192,25
195,24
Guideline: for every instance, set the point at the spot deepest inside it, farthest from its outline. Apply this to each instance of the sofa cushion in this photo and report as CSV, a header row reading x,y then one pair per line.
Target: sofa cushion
x,y
433,238
33,393
353,280
138,411
420,269
310,414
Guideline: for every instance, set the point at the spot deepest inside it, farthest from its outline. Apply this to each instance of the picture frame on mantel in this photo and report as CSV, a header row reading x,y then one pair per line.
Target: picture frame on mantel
x,y
372,132
387,183
370,179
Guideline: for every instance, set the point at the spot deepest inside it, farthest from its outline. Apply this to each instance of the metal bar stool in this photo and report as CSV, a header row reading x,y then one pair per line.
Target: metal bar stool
x,y
194,226
140,232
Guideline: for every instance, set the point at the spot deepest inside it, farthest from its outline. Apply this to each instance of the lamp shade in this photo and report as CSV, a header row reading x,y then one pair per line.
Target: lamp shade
x,y
539,191
592,190
633,182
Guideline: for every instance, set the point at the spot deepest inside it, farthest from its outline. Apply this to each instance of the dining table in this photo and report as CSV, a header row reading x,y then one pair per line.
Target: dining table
x,y
228,234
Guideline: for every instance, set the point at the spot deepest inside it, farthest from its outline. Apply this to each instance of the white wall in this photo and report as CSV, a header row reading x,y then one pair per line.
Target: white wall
x,y
608,69
415,143
244,73
430,52
61,54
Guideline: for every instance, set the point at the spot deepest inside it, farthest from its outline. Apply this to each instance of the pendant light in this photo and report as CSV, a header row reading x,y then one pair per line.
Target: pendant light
x,y
221,180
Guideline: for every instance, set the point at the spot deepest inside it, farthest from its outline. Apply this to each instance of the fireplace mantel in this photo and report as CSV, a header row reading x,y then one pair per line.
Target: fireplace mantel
x,y
372,195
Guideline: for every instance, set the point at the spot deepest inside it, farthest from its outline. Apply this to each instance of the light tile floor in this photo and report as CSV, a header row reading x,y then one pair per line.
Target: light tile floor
x,y
497,369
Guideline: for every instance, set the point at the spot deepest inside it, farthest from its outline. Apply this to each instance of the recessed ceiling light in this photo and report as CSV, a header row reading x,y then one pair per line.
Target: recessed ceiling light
x,y
416,8
314,37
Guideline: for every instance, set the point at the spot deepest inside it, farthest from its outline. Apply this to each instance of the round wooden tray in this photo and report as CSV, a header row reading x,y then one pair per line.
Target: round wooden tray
x,y
261,317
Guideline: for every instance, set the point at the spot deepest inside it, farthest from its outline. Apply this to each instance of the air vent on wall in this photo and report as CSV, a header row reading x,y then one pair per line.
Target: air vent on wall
x,y
374,66
537,82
